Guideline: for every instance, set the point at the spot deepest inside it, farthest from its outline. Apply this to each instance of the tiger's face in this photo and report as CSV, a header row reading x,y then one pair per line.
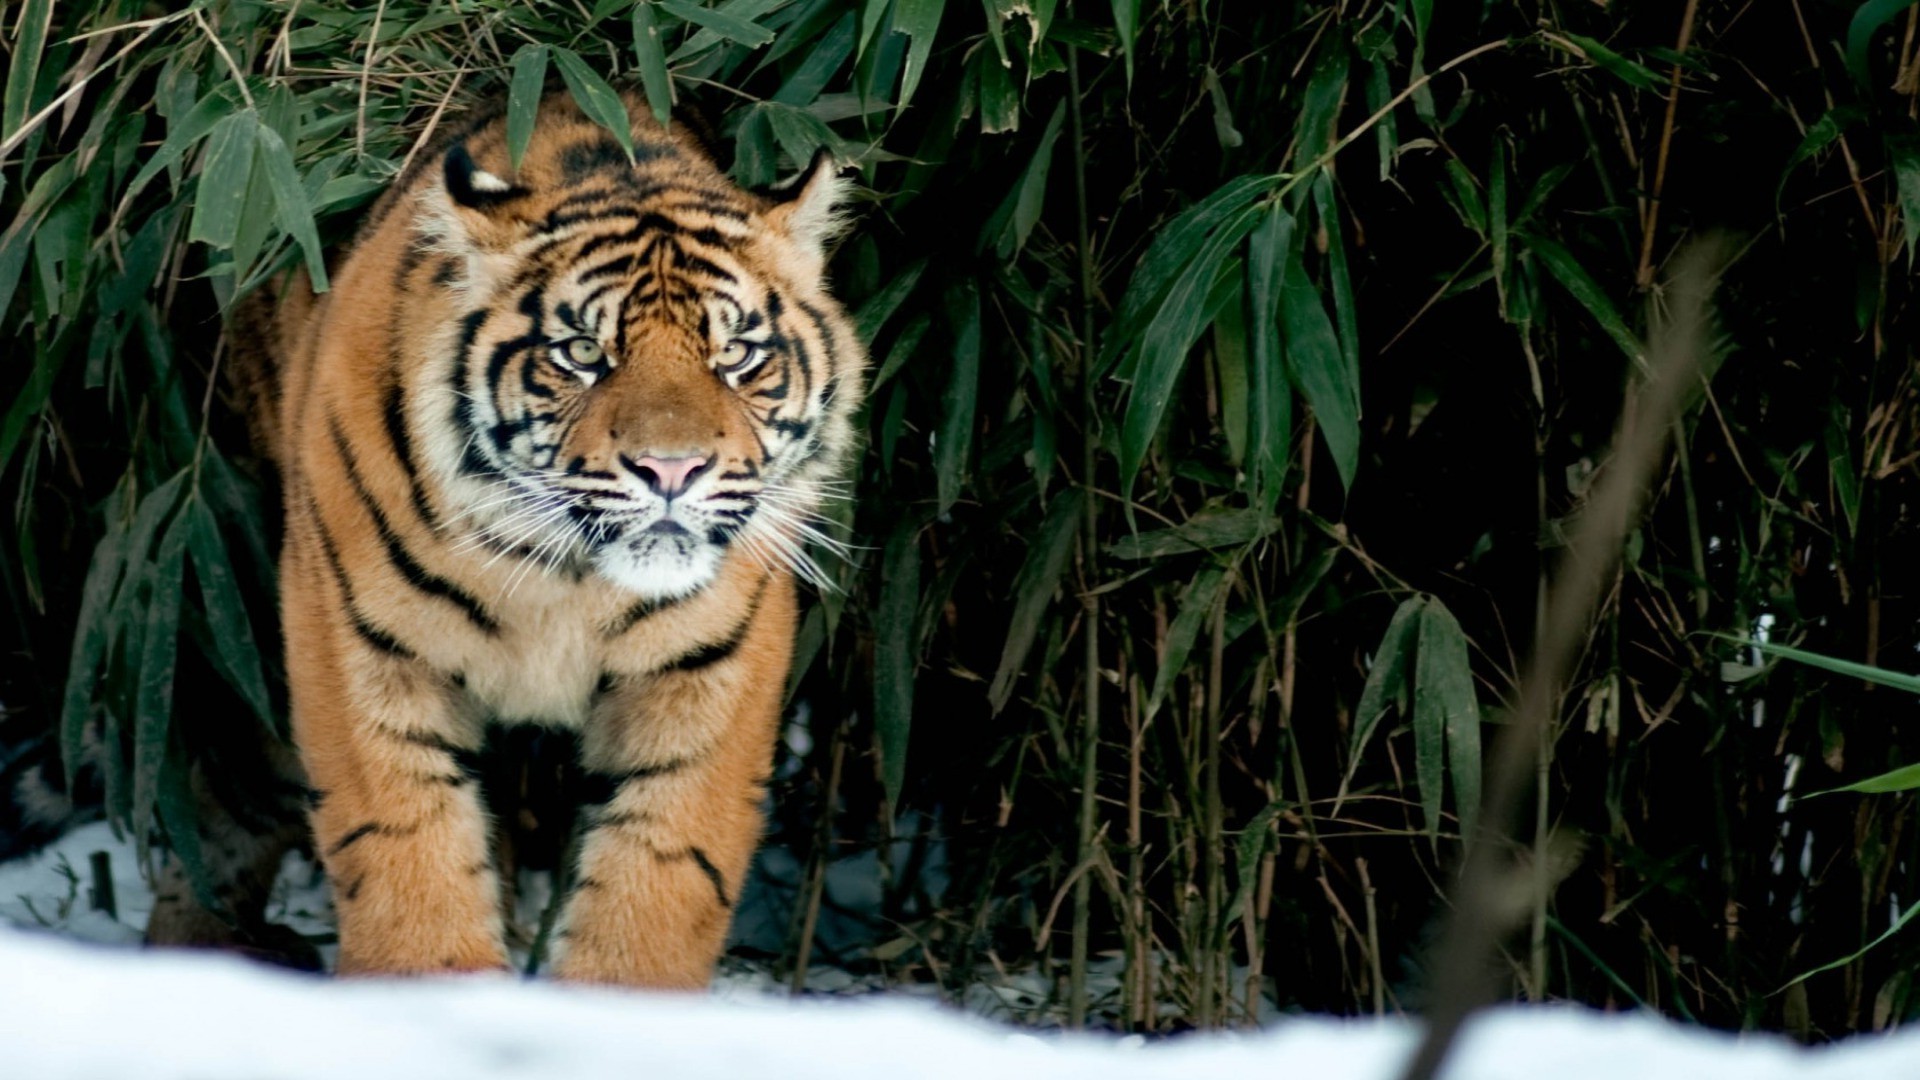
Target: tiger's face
x,y
649,375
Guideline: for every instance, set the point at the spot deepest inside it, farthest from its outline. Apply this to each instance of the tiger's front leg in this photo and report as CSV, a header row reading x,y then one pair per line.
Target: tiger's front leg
x,y
675,766
397,817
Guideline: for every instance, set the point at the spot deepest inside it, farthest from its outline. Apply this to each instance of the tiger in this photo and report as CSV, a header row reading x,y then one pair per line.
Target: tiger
x,y
550,448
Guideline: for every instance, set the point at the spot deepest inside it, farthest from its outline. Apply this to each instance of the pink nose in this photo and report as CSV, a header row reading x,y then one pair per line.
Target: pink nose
x,y
667,477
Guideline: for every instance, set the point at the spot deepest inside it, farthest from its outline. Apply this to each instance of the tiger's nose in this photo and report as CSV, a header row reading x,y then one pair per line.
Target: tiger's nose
x,y
666,477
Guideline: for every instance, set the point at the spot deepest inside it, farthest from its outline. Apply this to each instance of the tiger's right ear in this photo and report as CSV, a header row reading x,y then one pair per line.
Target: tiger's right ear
x,y
473,187
473,216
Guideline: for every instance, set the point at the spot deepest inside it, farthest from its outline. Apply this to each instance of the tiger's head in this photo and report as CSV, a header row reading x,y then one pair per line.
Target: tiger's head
x,y
648,373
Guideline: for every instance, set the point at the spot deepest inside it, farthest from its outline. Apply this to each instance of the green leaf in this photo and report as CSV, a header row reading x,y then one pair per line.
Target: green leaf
x,y
232,631
1846,482
1271,393
1627,71
1497,220
903,348
1905,778
878,308
104,574
919,20
523,98
599,101
1126,23
1339,283
953,440
1903,154
1182,315
1847,668
179,815
31,23
1905,918
1020,211
290,209
1319,368
896,654
153,694
1824,132
225,170
1574,277
1173,248
729,26
1207,530
651,58
1033,591
1386,680
1320,105
1868,18
811,77
1195,607
1445,711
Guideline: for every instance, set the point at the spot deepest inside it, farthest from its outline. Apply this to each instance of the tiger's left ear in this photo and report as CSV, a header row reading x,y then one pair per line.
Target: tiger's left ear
x,y
811,208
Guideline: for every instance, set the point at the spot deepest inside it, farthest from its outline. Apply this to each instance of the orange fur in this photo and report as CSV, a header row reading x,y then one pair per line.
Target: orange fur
x,y
463,426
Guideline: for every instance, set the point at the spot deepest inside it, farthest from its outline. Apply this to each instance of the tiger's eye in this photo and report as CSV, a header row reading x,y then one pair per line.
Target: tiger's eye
x,y
584,352
738,358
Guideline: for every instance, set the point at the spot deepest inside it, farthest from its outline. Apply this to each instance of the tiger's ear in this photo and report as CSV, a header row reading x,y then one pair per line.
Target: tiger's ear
x,y
478,204
811,208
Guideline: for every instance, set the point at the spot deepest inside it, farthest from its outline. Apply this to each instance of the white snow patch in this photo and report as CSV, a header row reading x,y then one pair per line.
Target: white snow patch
x,y
71,1011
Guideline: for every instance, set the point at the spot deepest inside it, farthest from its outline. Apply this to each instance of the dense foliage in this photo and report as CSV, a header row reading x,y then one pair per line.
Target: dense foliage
x,y
1237,367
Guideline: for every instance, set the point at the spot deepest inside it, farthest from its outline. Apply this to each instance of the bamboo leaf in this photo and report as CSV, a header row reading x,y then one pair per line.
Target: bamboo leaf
x,y
179,815
878,308
1848,668
896,654
220,197
1173,248
1205,531
1020,211
1823,133
232,630
1905,778
727,25
1126,23
953,440
919,20
1271,393
1899,923
1033,591
290,209
599,101
1386,684
23,72
153,696
1320,369
1633,74
1445,710
105,572
1177,324
1867,20
651,58
1571,275
1195,607
1903,154
523,98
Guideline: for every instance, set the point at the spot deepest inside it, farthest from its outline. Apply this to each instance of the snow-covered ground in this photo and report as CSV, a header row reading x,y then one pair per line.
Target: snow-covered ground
x,y
94,1009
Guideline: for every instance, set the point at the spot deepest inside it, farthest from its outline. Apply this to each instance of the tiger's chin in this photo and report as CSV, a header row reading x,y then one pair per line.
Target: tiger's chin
x,y
660,567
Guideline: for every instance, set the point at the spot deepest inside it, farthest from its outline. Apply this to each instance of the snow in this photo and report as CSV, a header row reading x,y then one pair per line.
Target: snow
x,y
76,1004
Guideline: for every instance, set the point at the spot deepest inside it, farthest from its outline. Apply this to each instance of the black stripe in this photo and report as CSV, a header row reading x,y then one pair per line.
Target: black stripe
x,y
402,560
393,411
466,416
713,875
354,837
379,640
600,788
703,656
